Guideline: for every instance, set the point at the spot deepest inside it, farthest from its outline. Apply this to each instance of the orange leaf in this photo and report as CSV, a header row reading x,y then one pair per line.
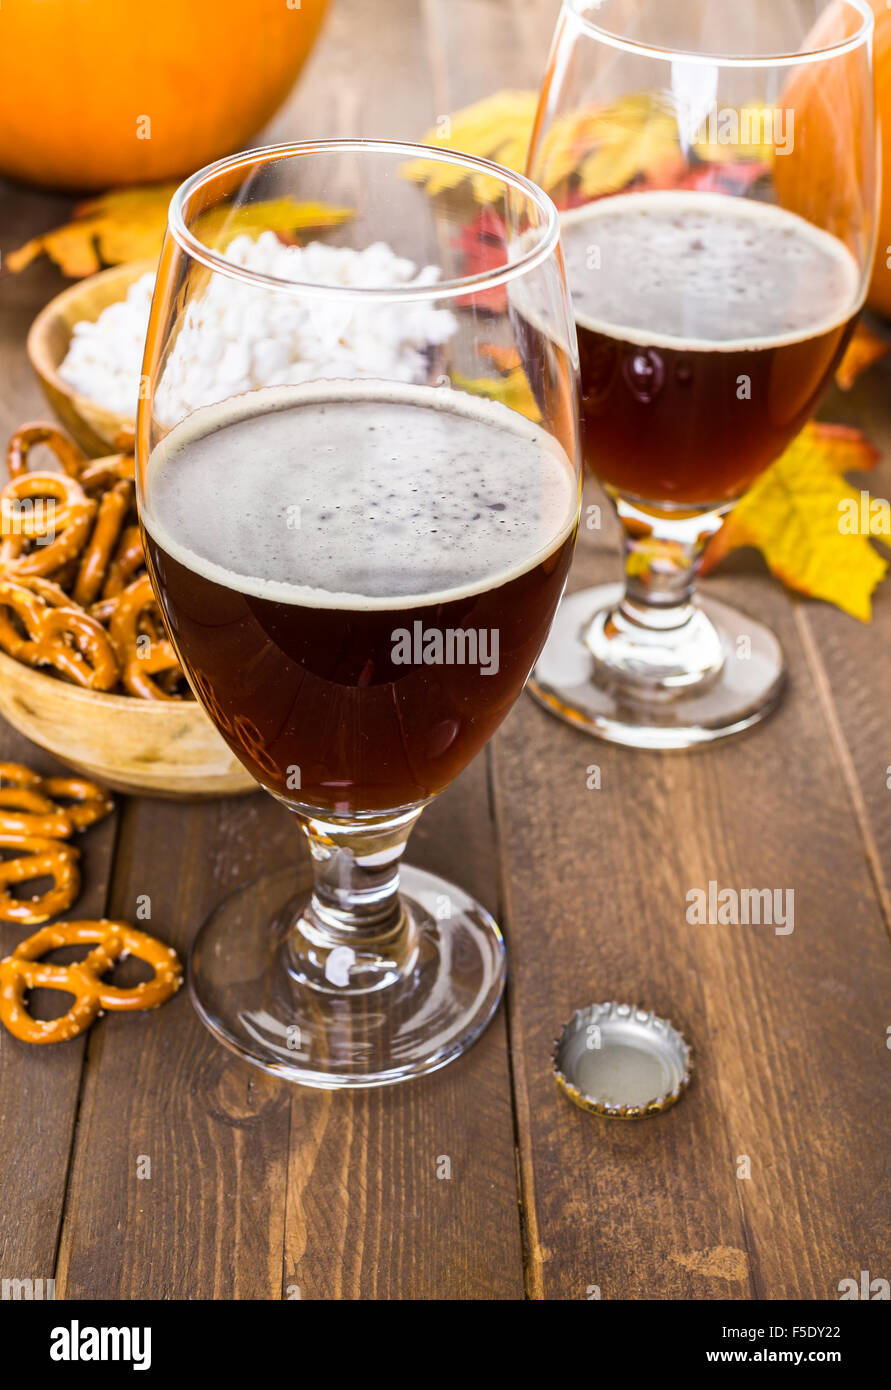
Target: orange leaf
x,y
865,348
812,528
128,224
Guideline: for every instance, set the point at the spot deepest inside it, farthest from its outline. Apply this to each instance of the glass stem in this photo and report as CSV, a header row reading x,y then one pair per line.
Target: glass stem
x,y
662,559
656,641
355,933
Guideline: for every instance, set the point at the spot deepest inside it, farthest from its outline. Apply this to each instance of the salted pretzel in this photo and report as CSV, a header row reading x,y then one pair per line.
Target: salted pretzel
x,y
25,970
88,802
17,775
46,589
129,557
139,656
72,518
58,863
65,638
37,432
101,474
94,560
25,811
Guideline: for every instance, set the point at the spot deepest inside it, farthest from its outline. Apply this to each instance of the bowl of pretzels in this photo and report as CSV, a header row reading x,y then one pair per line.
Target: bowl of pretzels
x,y
86,668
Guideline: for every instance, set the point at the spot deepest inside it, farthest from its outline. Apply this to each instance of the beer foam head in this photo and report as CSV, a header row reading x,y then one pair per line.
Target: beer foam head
x,y
705,271
359,494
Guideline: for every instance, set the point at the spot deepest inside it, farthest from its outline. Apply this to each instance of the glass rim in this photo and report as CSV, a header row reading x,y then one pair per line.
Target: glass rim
x,y
549,232
576,9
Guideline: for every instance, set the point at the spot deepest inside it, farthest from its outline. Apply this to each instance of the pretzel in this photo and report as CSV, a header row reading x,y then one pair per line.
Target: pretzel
x,y
24,811
137,666
113,508
25,970
17,775
69,522
128,558
67,639
36,432
58,863
101,474
46,589
91,803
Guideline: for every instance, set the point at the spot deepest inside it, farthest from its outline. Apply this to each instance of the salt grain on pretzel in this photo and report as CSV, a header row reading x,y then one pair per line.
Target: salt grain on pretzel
x,y
25,970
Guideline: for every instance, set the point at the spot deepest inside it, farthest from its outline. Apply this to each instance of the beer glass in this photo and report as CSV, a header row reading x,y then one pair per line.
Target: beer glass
x,y
715,170
358,546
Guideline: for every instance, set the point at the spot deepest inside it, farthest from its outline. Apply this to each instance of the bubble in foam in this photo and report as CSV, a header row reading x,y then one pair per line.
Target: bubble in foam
x,y
359,494
706,270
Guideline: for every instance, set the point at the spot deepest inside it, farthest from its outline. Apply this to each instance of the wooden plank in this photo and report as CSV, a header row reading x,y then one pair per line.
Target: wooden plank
x,y
179,1144
38,1085
852,661
259,1188
788,1031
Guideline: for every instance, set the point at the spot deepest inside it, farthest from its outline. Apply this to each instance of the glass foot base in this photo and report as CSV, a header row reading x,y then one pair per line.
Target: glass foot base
x,y
244,985
568,681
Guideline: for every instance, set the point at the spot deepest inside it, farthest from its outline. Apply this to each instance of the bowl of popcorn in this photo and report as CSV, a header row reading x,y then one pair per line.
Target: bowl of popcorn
x,y
96,404
86,346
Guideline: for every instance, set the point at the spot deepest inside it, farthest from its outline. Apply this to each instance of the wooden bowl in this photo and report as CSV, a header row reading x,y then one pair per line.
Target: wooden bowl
x,y
95,428
166,748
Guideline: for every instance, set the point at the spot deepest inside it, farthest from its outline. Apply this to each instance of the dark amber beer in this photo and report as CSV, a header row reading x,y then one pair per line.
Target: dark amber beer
x,y
358,579
708,328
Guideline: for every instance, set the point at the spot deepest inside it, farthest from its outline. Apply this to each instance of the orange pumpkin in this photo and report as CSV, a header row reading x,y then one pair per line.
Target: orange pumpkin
x,y
100,92
823,177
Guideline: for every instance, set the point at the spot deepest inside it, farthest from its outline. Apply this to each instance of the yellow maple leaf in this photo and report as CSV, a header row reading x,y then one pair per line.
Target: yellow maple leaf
x,y
498,128
128,224
796,515
511,388
603,147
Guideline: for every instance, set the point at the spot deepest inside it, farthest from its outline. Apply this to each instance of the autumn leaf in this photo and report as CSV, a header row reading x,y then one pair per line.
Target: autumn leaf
x,y
865,348
497,128
511,386
798,514
128,224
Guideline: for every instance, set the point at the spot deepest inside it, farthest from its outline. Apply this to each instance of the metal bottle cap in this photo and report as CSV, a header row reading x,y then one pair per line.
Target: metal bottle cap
x,y
616,1059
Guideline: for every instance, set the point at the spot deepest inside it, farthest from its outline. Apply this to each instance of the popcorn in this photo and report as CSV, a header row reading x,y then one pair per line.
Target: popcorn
x,y
236,337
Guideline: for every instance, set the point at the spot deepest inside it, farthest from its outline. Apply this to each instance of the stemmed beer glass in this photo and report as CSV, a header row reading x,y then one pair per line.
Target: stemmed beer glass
x,y
715,169
358,549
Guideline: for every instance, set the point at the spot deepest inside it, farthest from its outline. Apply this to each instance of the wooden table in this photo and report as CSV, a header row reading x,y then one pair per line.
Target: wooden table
x,y
262,1190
